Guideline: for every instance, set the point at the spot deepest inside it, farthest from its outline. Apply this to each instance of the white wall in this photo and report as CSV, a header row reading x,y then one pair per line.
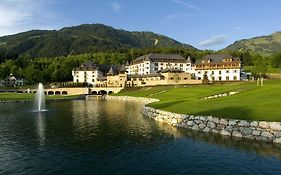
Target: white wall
x,y
230,73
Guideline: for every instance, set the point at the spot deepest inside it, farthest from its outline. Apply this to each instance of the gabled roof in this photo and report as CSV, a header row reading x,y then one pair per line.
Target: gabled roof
x,y
160,58
88,65
122,69
110,72
216,58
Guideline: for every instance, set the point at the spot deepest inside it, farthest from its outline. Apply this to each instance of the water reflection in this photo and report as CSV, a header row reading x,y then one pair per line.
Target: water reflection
x,y
40,127
104,137
248,145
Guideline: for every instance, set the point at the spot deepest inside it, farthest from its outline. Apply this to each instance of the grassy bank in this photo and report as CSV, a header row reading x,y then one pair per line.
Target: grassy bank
x,y
21,96
252,103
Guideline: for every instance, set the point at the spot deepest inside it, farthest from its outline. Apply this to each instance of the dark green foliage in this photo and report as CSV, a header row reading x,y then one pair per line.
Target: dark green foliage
x,y
260,67
276,60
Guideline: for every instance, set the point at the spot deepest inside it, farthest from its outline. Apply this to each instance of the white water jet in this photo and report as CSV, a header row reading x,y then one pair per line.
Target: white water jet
x,y
39,101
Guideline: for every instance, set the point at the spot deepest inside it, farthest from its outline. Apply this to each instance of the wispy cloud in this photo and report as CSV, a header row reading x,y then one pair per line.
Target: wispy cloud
x,y
186,4
21,15
238,28
174,16
116,7
213,41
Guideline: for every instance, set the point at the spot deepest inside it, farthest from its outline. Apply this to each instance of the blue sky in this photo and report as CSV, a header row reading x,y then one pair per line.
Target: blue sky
x,y
205,24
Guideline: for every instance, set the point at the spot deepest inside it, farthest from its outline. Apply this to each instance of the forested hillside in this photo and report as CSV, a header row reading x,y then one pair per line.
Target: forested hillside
x,y
86,38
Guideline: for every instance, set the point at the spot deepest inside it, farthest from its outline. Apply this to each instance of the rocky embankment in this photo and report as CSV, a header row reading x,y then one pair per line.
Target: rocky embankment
x,y
258,130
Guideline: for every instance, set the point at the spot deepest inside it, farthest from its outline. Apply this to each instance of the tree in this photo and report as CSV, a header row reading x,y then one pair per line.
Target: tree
x,y
276,60
260,67
205,79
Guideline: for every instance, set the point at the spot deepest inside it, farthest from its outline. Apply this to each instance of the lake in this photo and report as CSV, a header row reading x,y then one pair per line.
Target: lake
x,y
112,137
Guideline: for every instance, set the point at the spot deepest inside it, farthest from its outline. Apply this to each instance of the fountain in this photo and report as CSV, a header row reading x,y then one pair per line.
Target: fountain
x,y
39,101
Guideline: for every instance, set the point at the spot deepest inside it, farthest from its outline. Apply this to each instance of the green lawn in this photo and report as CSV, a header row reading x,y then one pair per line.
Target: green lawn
x,y
252,103
21,96
269,69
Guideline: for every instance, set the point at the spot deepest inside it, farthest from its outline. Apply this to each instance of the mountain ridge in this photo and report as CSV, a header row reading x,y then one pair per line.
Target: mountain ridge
x,y
264,45
84,38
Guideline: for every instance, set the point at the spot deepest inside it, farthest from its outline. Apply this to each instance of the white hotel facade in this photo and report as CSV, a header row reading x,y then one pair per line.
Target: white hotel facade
x,y
217,67
154,62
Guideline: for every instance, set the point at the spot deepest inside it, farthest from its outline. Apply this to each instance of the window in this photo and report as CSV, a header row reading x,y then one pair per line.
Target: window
x,y
176,64
161,64
206,72
93,80
234,71
220,72
181,65
187,64
213,72
227,78
227,71
220,78
235,78
199,72
155,64
171,78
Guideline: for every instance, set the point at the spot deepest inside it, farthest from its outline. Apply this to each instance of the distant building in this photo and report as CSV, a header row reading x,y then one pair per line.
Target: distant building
x,y
117,77
12,81
218,67
154,62
89,73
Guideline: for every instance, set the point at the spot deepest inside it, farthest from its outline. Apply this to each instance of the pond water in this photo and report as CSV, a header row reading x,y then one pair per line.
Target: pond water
x,y
112,137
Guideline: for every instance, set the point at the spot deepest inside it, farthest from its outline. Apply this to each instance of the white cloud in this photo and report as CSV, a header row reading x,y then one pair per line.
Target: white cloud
x,y
213,41
174,16
180,2
116,7
21,15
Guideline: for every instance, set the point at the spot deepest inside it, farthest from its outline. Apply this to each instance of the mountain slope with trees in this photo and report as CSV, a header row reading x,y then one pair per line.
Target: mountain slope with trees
x,y
86,38
263,45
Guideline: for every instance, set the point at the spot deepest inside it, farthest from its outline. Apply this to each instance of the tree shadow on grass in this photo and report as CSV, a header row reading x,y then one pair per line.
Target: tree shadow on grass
x,y
164,105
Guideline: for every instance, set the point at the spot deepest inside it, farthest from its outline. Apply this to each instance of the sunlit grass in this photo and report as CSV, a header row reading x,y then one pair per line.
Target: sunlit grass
x,y
252,102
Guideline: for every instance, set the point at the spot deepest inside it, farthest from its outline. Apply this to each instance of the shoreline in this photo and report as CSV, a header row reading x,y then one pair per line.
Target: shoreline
x,y
47,100
255,130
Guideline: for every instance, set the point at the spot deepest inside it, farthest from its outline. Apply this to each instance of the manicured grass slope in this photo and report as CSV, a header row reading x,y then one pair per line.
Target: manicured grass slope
x,y
252,103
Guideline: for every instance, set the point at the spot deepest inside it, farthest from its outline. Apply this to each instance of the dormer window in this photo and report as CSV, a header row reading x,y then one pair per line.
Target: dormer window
x,y
206,61
227,60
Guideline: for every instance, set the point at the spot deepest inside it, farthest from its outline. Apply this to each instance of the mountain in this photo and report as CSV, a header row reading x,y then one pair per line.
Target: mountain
x,y
85,38
263,45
